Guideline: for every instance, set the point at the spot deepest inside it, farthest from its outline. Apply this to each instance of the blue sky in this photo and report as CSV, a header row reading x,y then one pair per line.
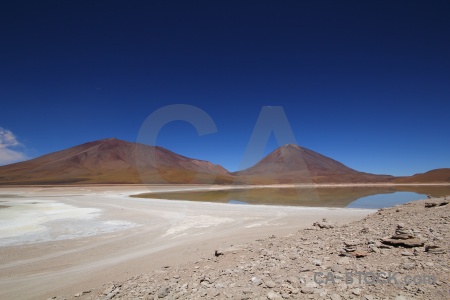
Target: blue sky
x,y
366,83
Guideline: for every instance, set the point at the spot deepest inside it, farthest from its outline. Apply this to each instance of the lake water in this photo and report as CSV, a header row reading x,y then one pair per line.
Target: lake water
x,y
352,197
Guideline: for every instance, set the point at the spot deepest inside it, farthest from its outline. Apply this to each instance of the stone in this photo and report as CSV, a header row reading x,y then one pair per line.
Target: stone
x,y
337,269
109,290
402,236
163,292
413,242
356,291
335,297
433,204
307,290
256,281
271,295
312,284
324,224
270,284
293,280
343,261
350,243
435,249
359,253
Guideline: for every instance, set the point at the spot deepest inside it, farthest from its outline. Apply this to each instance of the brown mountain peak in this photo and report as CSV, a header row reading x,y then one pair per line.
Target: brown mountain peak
x,y
295,164
291,146
112,161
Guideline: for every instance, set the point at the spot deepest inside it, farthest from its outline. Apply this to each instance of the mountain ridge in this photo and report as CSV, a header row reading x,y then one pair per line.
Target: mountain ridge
x,y
112,161
295,164
115,161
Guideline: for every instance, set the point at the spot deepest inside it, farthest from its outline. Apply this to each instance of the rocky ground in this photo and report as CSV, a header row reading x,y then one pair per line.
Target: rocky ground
x,y
396,253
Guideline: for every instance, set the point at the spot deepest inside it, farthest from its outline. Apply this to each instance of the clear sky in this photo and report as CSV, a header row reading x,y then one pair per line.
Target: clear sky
x,y
364,82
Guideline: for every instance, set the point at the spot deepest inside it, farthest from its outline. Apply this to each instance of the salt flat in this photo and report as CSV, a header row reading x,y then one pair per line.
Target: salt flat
x,y
64,240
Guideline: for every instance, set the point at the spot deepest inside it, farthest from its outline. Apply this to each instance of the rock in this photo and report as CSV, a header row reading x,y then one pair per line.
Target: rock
x,y
403,237
356,291
112,294
409,266
406,253
435,249
350,243
413,242
293,280
337,269
433,204
335,297
213,293
109,290
217,253
256,281
324,224
359,253
365,230
163,292
271,295
307,290
343,261
400,225
270,284
317,262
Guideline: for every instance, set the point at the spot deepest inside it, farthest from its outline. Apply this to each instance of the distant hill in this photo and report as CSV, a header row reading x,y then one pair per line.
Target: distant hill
x,y
433,176
119,162
113,161
295,164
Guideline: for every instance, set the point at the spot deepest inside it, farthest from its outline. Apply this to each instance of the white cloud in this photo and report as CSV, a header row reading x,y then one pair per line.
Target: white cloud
x,y
8,143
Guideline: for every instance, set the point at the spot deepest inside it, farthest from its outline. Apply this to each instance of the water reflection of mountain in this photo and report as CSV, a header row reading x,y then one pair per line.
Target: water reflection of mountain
x,y
314,197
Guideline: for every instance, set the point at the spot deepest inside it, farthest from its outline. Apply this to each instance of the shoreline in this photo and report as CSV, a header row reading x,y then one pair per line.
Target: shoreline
x,y
220,186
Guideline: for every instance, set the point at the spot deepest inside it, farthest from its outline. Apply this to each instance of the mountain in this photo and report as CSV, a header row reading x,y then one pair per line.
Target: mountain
x,y
295,164
433,176
113,161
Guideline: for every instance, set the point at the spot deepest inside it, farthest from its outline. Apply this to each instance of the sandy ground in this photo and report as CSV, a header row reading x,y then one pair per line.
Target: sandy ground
x,y
84,237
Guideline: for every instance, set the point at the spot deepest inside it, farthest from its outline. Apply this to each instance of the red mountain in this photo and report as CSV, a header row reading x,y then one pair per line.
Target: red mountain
x,y
113,161
433,176
116,161
295,164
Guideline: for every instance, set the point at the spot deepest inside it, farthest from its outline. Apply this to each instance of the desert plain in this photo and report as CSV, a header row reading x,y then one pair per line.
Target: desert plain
x,y
67,239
